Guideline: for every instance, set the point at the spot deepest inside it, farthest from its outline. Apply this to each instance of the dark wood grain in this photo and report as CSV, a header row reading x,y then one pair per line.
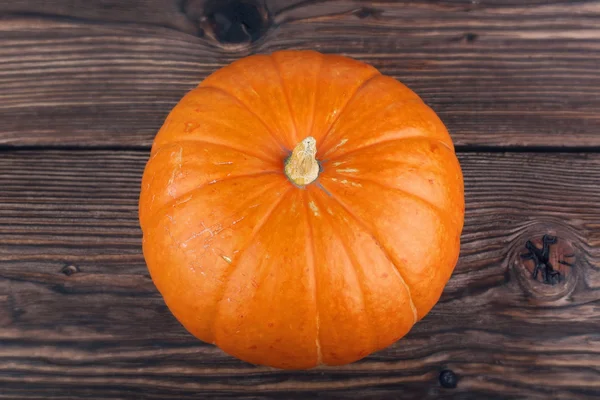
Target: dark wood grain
x,y
80,317
106,73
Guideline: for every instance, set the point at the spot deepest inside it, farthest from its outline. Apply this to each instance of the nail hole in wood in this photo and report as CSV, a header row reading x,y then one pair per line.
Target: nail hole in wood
x,y
69,270
471,37
448,379
366,12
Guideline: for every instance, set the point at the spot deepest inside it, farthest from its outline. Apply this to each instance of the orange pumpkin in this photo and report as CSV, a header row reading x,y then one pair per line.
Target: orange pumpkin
x,y
301,209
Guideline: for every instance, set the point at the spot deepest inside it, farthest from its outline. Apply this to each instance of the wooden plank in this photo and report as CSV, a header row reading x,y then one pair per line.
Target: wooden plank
x,y
98,73
80,317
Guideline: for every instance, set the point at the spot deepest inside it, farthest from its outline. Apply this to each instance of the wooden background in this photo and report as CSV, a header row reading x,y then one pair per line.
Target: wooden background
x,y
84,87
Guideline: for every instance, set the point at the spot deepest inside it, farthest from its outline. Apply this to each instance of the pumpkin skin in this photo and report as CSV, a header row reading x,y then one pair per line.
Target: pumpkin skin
x,y
294,276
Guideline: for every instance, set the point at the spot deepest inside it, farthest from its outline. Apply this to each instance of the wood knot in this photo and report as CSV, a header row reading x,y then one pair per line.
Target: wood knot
x,y
546,265
69,269
235,21
548,259
448,379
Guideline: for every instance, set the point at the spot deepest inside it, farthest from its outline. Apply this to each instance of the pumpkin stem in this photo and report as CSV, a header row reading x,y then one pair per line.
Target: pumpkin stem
x,y
302,166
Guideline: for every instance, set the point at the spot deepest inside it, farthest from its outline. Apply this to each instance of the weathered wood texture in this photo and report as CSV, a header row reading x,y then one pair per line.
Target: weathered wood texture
x,y
106,73
80,317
